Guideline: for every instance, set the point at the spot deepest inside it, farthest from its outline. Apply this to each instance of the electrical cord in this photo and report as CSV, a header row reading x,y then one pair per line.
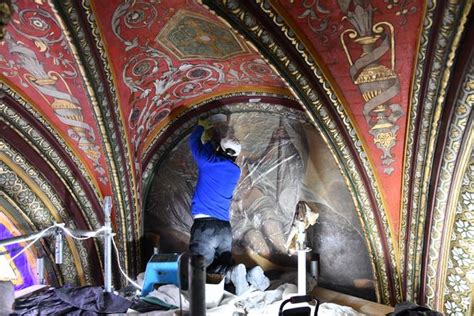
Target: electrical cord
x,y
41,234
120,267
87,234
36,238
68,232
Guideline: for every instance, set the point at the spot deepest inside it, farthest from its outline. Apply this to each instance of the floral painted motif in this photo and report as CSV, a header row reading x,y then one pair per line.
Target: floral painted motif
x,y
189,36
461,262
171,71
38,59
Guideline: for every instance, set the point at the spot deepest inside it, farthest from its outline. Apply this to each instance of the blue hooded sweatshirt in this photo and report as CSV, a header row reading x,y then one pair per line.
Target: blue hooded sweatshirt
x,y
217,179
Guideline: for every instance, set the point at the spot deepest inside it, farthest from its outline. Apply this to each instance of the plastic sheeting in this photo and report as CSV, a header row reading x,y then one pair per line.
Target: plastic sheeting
x,y
283,160
273,164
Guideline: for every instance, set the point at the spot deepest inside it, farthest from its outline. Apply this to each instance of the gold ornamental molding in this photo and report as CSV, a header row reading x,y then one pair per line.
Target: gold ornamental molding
x,y
327,128
25,185
123,221
454,198
454,18
458,285
412,250
123,170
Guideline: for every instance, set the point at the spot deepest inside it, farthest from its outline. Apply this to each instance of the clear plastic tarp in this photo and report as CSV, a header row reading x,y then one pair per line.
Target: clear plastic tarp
x,y
284,160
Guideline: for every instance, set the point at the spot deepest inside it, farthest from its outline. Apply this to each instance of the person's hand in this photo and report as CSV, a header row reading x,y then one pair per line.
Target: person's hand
x,y
204,123
207,135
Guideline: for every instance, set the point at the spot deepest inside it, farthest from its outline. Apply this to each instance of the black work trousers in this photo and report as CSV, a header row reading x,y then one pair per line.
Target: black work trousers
x,y
212,239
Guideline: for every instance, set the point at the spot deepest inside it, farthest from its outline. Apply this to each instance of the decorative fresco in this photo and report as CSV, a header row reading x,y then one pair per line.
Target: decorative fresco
x,y
157,77
377,40
97,88
283,161
190,36
37,60
377,82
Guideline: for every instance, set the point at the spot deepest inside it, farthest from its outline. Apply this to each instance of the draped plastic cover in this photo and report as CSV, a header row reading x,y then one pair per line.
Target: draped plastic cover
x,y
276,172
283,160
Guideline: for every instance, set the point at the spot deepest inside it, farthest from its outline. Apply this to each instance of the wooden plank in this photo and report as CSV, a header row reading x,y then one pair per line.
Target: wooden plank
x,y
359,304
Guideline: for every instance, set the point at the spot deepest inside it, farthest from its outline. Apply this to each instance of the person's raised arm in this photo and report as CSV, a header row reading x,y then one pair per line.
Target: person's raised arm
x,y
201,152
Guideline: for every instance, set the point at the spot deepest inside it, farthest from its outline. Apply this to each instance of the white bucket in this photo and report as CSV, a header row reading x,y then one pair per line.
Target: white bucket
x,y
214,292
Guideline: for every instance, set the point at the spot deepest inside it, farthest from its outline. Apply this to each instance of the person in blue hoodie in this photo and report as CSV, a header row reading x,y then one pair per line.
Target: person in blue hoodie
x,y
218,176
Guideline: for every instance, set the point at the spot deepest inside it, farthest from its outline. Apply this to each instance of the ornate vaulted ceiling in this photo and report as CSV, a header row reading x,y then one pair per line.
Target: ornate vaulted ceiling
x,y
92,89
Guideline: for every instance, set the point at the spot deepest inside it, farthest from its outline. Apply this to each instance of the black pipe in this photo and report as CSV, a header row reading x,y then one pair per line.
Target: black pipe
x,y
197,282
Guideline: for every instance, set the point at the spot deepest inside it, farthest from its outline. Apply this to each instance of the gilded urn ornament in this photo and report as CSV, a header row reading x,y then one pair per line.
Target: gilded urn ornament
x,y
377,82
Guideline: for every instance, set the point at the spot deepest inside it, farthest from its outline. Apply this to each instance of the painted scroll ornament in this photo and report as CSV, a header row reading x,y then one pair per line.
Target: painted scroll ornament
x,y
5,16
377,82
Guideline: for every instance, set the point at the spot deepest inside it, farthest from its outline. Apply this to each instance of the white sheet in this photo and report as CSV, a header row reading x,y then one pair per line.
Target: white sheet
x,y
252,303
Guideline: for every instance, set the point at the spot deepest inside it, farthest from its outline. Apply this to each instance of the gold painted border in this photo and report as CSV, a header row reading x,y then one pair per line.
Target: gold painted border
x,y
8,87
432,107
53,211
454,165
103,47
115,186
427,21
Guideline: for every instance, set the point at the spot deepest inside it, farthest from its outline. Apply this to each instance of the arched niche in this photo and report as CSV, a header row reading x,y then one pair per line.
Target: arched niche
x,y
284,160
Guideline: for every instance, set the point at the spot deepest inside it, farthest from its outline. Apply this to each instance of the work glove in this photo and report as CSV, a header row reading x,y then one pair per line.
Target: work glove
x,y
208,132
206,136
204,123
